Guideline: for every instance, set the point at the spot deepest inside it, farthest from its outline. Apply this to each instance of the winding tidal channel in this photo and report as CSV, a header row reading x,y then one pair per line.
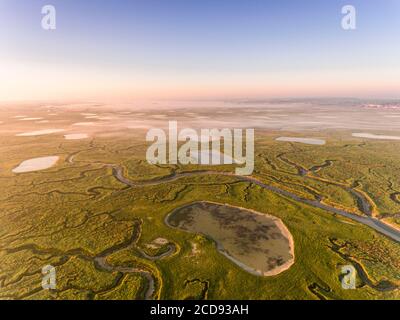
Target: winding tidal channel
x,y
367,219
363,204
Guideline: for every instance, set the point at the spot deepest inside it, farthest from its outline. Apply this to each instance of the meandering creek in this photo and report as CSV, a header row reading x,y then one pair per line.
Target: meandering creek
x,y
367,219
198,217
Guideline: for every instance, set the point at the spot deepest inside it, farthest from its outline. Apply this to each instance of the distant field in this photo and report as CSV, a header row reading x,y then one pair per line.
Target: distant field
x,y
109,240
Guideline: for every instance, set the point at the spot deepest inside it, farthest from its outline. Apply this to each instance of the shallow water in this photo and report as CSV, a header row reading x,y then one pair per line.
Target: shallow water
x,y
36,164
302,140
76,136
30,119
106,118
39,132
83,124
257,242
159,116
375,136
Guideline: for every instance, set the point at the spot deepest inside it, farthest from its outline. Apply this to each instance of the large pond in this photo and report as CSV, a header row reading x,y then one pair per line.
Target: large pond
x,y
36,164
258,243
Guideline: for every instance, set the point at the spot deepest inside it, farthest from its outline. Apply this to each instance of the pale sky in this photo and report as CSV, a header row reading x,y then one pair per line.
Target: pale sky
x,y
198,49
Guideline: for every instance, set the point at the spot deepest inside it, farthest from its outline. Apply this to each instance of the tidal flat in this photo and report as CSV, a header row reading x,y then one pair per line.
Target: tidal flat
x,y
99,215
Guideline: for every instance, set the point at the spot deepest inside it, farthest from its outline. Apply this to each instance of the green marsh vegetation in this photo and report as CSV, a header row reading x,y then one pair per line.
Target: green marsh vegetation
x,y
77,212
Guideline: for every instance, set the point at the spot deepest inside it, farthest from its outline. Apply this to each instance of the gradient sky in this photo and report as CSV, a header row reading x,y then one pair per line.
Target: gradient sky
x,y
198,49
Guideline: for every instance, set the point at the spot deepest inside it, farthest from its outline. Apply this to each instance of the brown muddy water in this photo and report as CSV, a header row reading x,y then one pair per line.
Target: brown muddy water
x,y
258,243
